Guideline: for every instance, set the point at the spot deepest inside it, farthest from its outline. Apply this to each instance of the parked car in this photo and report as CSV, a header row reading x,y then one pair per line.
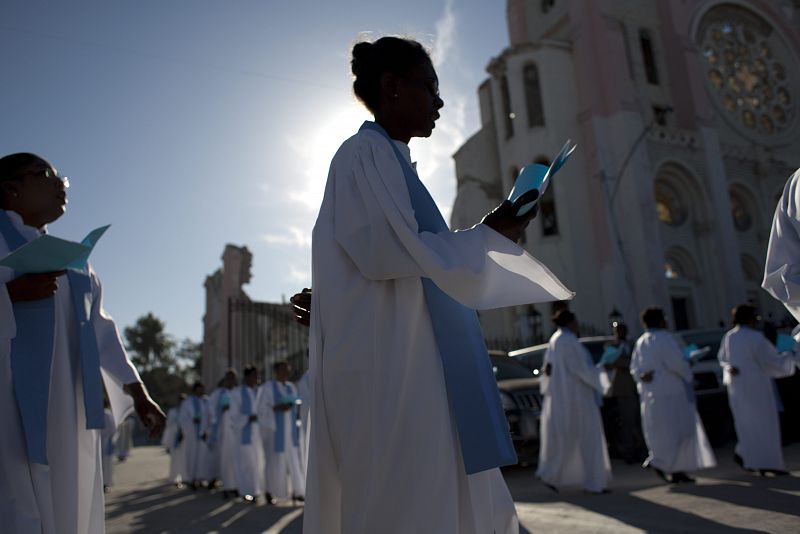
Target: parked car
x,y
712,399
522,404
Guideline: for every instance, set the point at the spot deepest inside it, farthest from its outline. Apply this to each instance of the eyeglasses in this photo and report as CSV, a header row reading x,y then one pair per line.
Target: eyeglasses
x,y
51,176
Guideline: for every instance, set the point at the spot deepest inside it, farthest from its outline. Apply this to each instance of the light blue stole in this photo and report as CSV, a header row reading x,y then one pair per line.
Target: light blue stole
x,y
471,386
32,354
247,409
222,400
280,398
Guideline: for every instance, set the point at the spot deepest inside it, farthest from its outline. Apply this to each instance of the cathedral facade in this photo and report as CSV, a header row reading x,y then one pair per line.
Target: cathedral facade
x,y
685,117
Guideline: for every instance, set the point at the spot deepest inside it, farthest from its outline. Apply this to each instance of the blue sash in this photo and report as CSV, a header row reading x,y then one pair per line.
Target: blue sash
x,y
471,387
222,400
32,354
278,398
247,409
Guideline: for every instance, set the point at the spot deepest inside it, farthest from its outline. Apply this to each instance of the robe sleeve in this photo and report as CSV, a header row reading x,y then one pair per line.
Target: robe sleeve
x,y
374,224
774,364
8,324
672,357
782,266
578,364
113,357
237,418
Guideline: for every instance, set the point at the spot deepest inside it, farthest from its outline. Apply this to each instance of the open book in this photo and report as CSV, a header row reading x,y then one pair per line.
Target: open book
x,y
47,254
533,180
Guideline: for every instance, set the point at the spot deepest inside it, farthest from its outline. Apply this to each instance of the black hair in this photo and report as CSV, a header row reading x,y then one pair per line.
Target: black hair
x,y
196,386
388,54
11,166
653,317
563,317
249,370
277,365
744,314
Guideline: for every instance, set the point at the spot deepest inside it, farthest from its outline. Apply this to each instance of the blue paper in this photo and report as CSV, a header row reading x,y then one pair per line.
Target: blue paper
x,y
785,343
610,355
689,349
47,254
537,176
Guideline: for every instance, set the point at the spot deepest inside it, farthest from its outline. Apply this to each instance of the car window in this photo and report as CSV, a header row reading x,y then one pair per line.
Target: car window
x,y
532,360
506,368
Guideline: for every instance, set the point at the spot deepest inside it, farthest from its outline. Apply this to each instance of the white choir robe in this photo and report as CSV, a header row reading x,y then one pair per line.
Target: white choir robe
x,y
67,495
573,448
751,395
383,452
249,457
223,451
672,428
177,469
782,266
304,391
125,438
107,440
195,448
283,468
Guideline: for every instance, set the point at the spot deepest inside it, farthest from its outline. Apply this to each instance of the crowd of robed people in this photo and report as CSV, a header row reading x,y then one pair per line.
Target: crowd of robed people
x,y
246,439
407,432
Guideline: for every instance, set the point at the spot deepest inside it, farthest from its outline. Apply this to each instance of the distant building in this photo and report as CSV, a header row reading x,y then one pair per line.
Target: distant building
x,y
238,331
686,122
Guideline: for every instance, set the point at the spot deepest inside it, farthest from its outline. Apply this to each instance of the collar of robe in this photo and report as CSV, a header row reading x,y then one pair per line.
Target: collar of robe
x,y
471,387
32,353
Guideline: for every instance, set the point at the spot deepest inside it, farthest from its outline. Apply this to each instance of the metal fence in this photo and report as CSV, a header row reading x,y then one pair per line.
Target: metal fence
x,y
261,334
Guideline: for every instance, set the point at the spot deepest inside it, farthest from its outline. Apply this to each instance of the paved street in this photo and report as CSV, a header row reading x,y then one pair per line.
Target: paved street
x,y
725,499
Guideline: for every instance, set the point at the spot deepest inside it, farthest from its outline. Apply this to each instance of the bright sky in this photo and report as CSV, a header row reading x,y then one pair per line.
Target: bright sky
x,y
191,124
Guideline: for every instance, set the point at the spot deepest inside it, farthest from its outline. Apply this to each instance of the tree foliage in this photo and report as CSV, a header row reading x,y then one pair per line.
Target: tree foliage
x,y
166,367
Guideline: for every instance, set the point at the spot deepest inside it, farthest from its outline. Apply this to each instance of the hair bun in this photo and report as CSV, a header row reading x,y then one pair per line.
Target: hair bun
x,y
362,52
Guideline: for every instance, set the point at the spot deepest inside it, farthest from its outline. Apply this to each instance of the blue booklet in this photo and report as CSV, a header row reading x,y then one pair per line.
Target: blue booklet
x,y
610,355
785,343
47,254
537,177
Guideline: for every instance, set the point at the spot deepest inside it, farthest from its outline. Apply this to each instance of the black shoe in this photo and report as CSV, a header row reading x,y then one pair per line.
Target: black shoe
x,y
550,487
662,475
297,498
682,478
269,498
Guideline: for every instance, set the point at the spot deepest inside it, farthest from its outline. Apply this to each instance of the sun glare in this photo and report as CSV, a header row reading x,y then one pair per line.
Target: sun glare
x,y
325,140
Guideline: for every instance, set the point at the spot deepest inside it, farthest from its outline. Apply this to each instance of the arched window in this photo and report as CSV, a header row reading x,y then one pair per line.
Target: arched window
x,y
670,208
533,96
508,115
649,57
547,212
740,211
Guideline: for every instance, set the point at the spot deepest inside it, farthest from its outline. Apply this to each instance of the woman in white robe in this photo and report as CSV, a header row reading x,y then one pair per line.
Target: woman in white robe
x,y
285,477
384,451
66,495
107,440
672,427
172,440
249,457
782,266
750,362
573,448
194,422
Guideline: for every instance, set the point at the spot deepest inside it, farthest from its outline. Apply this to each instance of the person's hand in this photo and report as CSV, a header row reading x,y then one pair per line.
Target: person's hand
x,y
253,418
732,370
301,304
33,286
148,411
503,219
646,377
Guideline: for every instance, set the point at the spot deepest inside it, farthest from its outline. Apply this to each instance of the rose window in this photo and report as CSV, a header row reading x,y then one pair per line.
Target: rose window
x,y
746,69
